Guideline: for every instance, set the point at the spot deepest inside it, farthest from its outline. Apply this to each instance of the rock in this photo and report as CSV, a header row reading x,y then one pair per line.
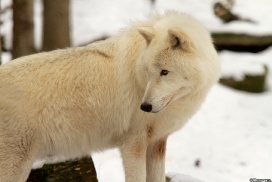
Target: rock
x,y
175,177
70,171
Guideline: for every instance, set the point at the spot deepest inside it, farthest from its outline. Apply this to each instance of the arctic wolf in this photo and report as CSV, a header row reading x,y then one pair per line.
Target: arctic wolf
x,y
128,92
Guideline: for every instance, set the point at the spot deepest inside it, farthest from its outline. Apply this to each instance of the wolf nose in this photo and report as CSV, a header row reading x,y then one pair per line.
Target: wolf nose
x,y
146,107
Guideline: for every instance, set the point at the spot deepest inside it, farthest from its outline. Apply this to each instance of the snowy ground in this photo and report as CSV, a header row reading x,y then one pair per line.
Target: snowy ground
x,y
231,134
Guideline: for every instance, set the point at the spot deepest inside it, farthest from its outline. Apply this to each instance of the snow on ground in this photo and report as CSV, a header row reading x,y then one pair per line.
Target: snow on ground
x,y
231,134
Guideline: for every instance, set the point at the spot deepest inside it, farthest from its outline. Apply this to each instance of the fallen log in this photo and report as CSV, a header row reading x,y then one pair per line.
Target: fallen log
x,y
241,42
250,83
82,170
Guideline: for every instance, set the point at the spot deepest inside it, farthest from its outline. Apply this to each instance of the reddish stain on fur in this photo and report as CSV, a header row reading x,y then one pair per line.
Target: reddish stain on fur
x,y
160,149
140,150
150,131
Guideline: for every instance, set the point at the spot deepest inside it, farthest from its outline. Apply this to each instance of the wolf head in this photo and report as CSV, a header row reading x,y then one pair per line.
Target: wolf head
x,y
178,61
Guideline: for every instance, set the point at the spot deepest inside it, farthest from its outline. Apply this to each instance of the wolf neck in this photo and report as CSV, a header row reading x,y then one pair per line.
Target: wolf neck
x,y
130,45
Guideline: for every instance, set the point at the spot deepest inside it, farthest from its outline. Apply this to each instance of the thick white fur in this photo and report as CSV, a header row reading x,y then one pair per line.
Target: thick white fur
x,y
75,101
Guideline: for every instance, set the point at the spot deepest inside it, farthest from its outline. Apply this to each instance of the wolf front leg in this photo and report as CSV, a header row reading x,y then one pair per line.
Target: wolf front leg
x,y
134,160
16,156
156,161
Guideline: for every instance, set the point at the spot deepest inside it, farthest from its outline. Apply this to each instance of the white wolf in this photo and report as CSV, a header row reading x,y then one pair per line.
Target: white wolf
x,y
75,101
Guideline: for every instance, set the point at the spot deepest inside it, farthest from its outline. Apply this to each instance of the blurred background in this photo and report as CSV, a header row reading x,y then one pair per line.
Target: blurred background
x,y
230,138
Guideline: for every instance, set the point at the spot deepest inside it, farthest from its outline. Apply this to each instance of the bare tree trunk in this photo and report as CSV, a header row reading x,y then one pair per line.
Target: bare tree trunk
x,y
0,41
0,51
23,28
56,32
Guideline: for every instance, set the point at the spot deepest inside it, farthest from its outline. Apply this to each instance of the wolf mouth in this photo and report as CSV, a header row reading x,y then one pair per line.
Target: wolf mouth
x,y
170,100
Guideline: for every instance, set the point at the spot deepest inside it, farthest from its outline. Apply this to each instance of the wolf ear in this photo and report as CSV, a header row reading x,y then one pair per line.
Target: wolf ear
x,y
178,39
147,33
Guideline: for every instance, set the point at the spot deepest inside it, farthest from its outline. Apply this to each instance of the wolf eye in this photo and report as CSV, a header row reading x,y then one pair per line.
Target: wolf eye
x,y
164,72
